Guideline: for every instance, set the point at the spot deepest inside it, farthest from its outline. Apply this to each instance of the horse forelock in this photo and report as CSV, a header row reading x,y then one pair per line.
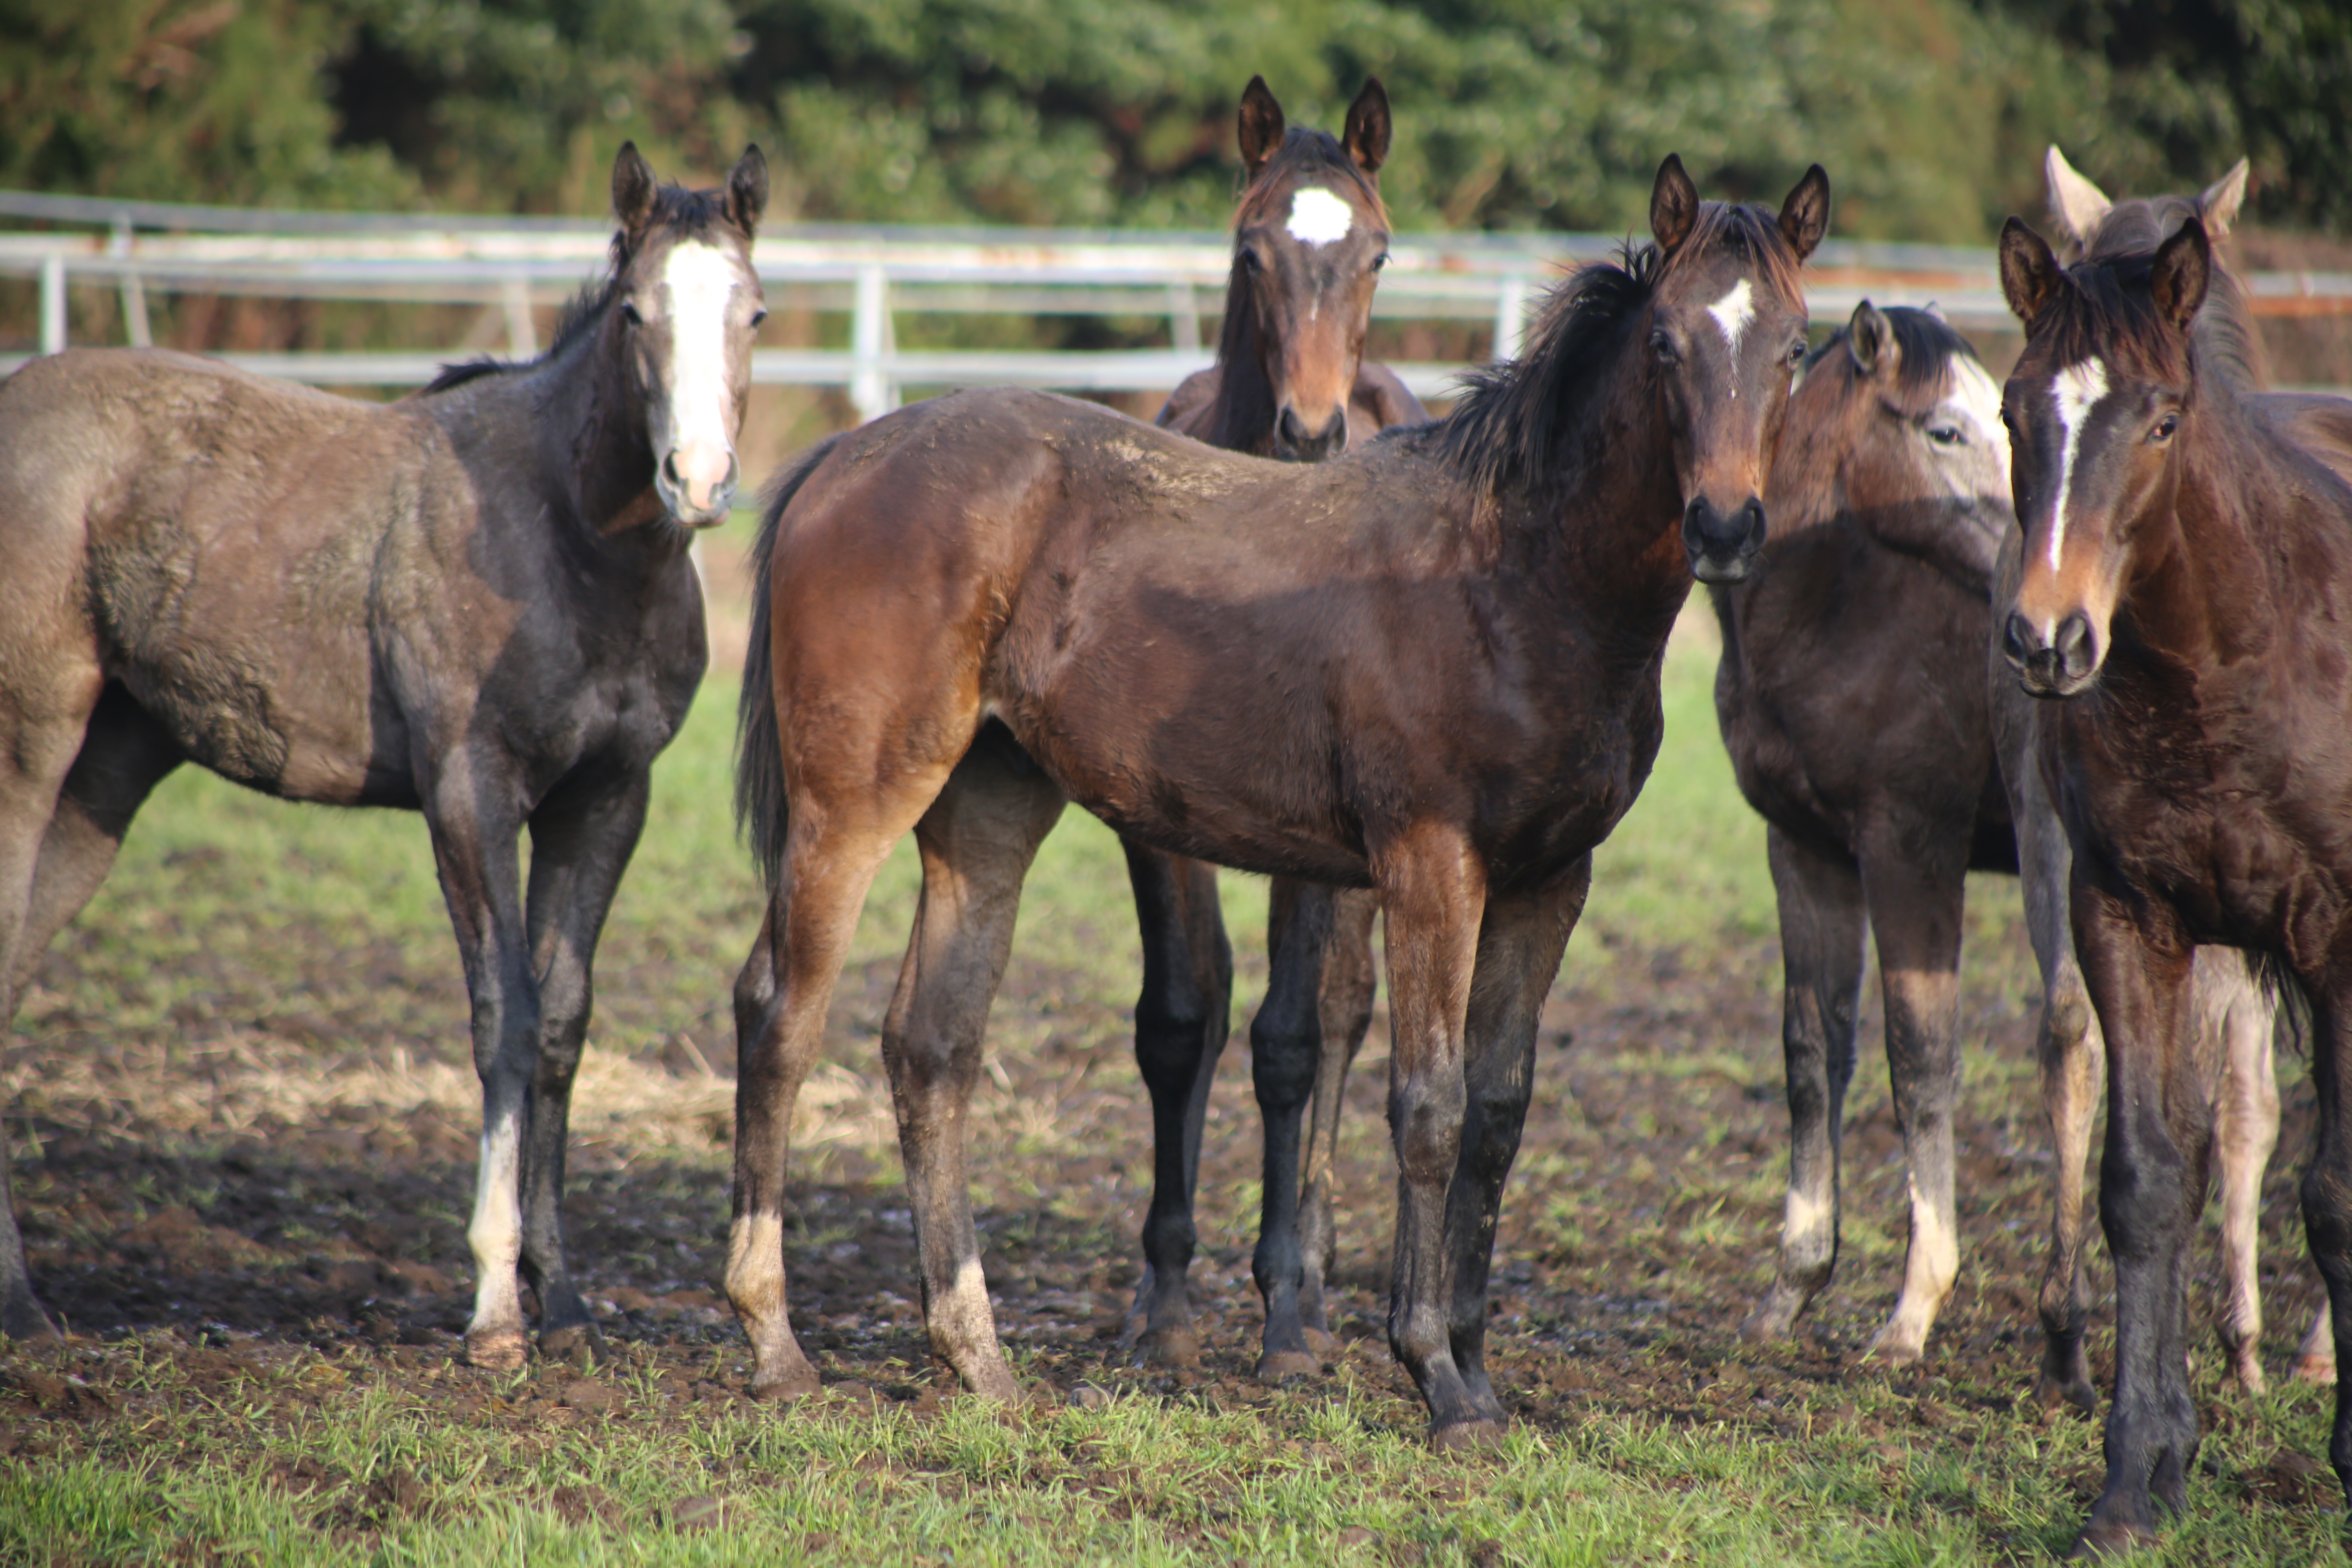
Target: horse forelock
x,y
2106,311
1511,424
2131,230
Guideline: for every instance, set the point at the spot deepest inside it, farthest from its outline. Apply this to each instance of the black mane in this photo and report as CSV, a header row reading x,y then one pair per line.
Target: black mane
x,y
691,214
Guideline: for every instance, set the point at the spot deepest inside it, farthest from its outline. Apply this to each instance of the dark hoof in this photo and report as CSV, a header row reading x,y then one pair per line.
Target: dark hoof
x,y
2053,1394
1476,1436
576,1345
25,1322
1285,1366
2110,1539
1177,1348
1775,1318
497,1350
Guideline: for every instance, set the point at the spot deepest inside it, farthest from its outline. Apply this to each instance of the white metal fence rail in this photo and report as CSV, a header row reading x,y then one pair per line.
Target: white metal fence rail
x,y
877,273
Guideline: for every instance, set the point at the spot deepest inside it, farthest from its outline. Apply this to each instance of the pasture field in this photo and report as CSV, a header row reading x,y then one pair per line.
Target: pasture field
x,y
243,1110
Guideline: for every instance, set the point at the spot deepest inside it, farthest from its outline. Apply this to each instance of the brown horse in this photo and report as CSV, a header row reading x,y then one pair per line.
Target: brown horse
x,y
2184,562
2095,226
1309,240
1852,703
475,602
1429,667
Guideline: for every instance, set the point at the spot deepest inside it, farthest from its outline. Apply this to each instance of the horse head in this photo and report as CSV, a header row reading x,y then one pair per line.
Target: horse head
x,y
1726,329
2096,410
1309,240
688,305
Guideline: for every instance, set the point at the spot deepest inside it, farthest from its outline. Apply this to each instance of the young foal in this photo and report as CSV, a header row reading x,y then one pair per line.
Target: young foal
x,y
1308,242
1430,668
1852,703
2228,348
474,603
2184,562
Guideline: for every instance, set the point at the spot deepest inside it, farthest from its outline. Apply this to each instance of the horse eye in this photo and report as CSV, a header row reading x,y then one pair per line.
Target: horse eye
x,y
1945,435
2164,429
629,314
1797,352
1246,261
758,316
1380,261
1663,347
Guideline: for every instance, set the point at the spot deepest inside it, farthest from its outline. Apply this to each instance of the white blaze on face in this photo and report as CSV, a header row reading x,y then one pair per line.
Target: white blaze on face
x,y
698,280
1733,312
1319,217
2077,389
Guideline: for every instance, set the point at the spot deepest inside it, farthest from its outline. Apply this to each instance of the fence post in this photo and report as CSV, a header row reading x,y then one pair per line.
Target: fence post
x,y
523,336
53,302
1184,317
134,287
1510,316
870,390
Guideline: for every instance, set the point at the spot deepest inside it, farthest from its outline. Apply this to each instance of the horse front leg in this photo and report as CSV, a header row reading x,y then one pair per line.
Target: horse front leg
x,y
1286,1039
582,836
2151,1192
1520,942
1820,912
1345,1006
1181,1019
1915,913
1432,888
473,849
977,842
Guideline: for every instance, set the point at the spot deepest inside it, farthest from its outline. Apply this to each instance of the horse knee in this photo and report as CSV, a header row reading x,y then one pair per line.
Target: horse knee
x,y
1425,1120
1282,1064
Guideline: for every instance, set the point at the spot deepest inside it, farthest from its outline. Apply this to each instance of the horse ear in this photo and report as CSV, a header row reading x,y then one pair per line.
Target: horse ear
x,y
747,190
2029,274
1261,126
1367,136
2180,274
1674,203
1870,343
2075,202
1805,215
2220,204
632,188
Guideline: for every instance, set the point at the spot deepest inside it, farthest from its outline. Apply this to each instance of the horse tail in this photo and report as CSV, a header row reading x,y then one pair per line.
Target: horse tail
x,y
758,745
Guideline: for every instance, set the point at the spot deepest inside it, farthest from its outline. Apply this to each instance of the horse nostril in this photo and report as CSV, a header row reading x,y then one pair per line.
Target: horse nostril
x,y
2073,646
1293,428
2016,643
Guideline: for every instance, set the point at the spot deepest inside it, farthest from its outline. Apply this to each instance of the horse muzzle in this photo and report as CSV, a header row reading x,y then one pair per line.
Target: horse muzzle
x,y
1294,442
698,491
2060,662
1723,546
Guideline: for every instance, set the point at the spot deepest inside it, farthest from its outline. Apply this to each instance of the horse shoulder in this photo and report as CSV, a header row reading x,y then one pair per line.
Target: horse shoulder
x,y
1192,408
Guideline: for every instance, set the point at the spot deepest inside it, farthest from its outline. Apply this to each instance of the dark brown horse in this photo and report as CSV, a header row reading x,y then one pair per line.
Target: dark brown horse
x,y
1309,240
475,602
1852,703
1429,667
2072,1056
2185,560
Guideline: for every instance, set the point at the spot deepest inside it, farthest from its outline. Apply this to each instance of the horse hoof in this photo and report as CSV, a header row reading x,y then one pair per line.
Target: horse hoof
x,y
1472,1436
1322,1342
2102,1539
785,1384
993,1382
1895,1347
496,1350
1284,1366
26,1324
1764,1326
2052,1394
576,1345
1177,1350
2319,1370
2247,1374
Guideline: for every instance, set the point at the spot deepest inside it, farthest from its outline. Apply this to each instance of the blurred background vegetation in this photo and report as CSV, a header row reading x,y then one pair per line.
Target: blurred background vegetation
x,y
1931,114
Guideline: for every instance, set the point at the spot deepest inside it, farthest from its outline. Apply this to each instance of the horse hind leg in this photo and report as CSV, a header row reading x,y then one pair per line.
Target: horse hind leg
x,y
977,842
1286,1042
1180,1020
1821,913
1346,1007
2235,1016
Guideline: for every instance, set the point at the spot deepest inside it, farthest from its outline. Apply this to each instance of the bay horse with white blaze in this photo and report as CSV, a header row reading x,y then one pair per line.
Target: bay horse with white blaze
x,y
1290,382
1852,701
1429,667
2180,601
475,602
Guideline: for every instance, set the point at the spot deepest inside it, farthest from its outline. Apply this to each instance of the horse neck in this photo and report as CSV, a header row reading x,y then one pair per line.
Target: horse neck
x,y
1242,420
2227,345
592,445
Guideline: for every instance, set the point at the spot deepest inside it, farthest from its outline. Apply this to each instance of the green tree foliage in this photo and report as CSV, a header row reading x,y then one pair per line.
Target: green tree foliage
x,y
1930,114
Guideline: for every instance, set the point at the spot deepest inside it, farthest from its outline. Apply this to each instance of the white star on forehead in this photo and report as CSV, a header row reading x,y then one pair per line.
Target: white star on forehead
x,y
1318,217
2077,389
1733,312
